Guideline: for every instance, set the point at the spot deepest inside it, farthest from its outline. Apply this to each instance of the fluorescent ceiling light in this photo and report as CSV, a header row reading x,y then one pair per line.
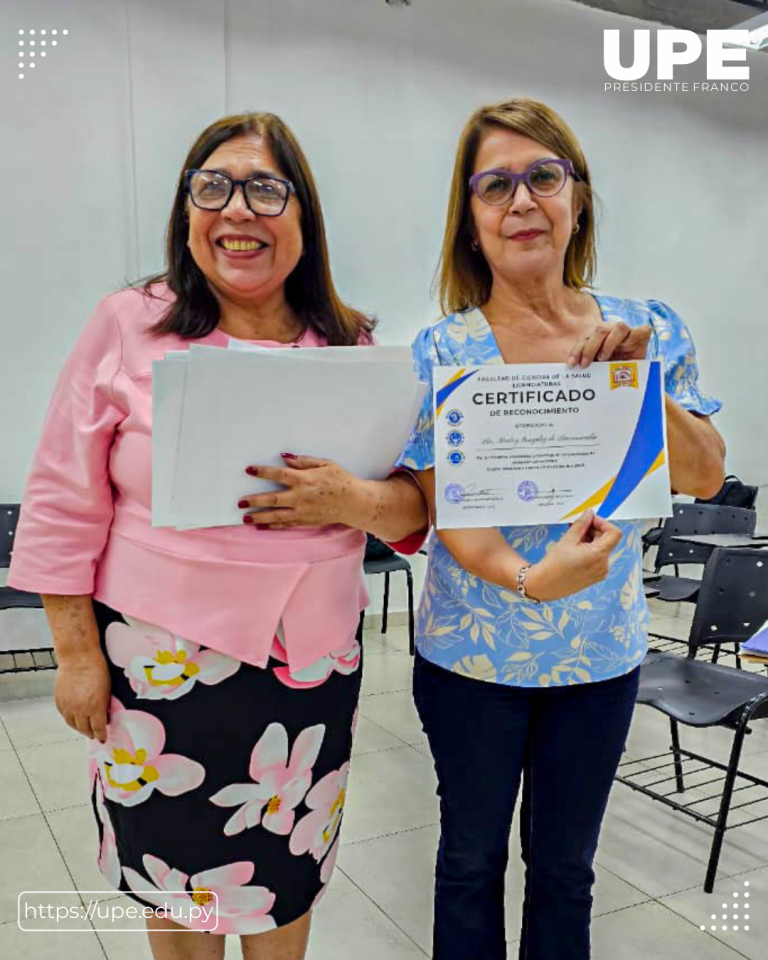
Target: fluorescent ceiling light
x,y
757,28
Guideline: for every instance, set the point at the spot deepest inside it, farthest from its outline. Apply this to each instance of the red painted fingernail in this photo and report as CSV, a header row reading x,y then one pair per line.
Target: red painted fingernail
x,y
289,456
247,518
253,471
243,503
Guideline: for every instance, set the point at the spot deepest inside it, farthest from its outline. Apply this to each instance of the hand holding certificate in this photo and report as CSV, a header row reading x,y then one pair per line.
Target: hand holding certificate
x,y
526,444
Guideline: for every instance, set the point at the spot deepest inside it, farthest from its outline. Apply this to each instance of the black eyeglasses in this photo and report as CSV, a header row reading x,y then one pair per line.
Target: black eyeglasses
x,y
544,178
212,190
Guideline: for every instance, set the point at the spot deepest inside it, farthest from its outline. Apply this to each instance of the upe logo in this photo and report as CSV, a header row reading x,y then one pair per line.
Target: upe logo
x,y
676,48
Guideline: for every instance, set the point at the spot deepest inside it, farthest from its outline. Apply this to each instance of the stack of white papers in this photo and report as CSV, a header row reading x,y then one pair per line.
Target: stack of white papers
x,y
217,411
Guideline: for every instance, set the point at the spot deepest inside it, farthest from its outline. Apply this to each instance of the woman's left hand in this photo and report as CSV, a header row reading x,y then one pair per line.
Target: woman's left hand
x,y
611,341
318,492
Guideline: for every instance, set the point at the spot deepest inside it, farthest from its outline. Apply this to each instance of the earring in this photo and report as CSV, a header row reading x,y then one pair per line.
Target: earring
x,y
475,245
576,228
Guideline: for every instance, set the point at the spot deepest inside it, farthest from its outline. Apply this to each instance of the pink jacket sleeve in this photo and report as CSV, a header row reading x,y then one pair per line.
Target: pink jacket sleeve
x,y
67,505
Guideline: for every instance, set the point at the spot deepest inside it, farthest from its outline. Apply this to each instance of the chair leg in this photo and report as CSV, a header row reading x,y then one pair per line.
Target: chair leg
x,y
411,632
725,805
676,754
738,658
386,604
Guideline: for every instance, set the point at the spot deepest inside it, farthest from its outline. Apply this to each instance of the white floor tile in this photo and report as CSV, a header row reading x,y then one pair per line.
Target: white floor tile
x,y
651,930
30,861
387,673
75,832
19,945
396,713
397,873
347,924
661,851
370,738
390,791
58,772
34,722
16,797
396,638
739,911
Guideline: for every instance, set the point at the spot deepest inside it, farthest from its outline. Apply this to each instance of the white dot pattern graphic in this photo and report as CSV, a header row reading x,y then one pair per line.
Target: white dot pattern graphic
x,y
744,906
31,53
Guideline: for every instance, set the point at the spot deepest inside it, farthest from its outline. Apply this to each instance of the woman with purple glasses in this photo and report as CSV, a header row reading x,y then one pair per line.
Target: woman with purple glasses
x,y
530,638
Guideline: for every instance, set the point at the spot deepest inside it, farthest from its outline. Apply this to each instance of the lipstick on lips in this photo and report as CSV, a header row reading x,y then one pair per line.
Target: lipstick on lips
x,y
526,235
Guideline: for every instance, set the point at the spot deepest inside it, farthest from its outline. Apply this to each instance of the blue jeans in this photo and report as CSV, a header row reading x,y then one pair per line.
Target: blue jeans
x,y
565,744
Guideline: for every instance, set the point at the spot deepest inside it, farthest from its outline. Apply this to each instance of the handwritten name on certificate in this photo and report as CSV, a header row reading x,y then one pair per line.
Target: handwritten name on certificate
x,y
526,444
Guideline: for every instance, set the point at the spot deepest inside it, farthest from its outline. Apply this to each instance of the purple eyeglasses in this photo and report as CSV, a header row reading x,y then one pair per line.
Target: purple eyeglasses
x,y
544,178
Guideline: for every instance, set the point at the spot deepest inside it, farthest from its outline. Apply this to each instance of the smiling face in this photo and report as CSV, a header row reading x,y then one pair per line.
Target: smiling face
x,y
245,256
528,236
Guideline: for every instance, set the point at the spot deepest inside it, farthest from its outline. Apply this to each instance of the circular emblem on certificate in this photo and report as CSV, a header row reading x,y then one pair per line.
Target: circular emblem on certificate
x,y
455,438
454,493
454,417
527,490
455,457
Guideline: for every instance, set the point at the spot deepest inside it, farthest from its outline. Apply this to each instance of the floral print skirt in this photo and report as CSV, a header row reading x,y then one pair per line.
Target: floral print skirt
x,y
220,791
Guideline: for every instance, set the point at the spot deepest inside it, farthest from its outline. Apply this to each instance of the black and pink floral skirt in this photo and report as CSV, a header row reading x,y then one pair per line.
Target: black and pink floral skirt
x,y
220,791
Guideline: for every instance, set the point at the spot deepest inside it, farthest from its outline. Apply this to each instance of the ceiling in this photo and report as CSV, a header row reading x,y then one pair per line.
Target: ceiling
x,y
696,15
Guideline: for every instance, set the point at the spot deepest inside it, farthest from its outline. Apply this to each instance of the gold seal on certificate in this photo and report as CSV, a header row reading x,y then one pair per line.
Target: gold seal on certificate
x,y
526,444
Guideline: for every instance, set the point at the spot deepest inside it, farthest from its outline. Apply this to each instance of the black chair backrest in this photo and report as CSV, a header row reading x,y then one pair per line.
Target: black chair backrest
x,y
733,597
9,518
696,519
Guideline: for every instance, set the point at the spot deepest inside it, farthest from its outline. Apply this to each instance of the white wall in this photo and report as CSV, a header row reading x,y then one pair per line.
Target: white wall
x,y
95,135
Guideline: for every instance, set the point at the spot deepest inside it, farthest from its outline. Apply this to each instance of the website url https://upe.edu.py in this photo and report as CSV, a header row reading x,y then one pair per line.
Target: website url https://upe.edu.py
x,y
65,911
677,86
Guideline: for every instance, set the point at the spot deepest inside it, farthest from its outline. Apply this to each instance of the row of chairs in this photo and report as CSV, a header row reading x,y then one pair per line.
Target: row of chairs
x,y
379,559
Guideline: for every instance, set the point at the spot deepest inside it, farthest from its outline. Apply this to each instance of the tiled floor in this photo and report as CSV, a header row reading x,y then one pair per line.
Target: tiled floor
x,y
650,865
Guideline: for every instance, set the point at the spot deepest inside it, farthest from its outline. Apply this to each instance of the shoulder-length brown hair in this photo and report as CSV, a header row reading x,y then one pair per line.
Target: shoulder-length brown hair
x,y
309,289
463,276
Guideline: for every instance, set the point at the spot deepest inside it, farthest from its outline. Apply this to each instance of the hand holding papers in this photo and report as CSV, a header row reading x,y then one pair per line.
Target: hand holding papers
x,y
526,444
215,411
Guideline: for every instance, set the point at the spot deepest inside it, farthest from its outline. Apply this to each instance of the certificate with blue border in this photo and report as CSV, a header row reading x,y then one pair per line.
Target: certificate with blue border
x,y
528,444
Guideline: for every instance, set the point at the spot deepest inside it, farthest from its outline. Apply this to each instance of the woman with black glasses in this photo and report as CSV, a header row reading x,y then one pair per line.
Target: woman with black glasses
x,y
530,638
217,671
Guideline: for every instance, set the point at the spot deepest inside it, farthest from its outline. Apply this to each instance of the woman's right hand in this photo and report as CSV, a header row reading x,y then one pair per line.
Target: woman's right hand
x,y
577,561
82,690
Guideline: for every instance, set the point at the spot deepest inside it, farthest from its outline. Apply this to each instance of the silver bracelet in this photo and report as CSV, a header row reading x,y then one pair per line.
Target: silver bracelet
x,y
521,574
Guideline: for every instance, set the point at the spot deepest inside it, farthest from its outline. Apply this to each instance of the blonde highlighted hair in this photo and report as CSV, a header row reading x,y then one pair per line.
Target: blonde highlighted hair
x,y
463,276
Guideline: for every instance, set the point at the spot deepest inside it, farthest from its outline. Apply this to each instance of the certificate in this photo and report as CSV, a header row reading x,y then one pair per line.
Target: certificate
x,y
527,444
216,410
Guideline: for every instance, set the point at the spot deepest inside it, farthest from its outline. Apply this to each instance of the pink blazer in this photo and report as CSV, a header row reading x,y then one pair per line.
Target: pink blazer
x,y
85,525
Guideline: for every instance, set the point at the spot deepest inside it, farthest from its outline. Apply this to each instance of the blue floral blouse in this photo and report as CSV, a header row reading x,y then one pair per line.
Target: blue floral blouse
x,y
480,630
